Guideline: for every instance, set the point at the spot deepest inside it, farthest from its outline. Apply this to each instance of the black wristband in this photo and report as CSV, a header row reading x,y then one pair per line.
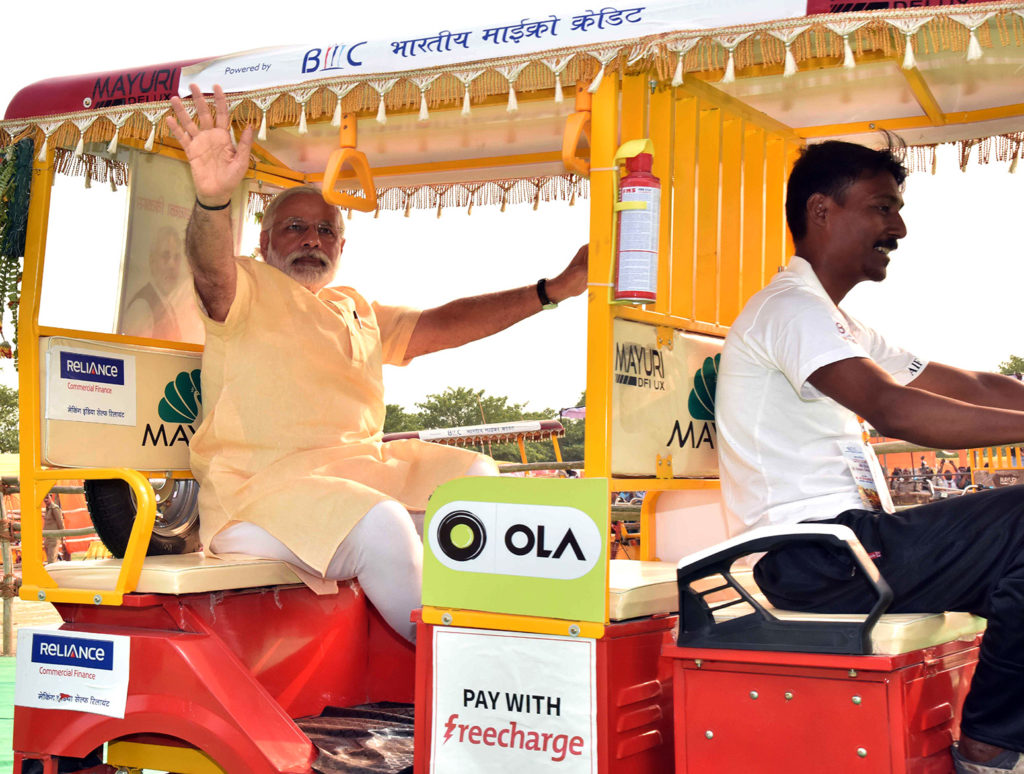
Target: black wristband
x,y
542,294
202,206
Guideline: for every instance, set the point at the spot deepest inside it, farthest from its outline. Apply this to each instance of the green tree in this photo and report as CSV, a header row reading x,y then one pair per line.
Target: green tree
x,y
1014,365
571,443
461,406
398,420
8,419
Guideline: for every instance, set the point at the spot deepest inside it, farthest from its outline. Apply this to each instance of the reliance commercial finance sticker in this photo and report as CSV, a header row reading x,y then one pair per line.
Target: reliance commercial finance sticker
x,y
73,671
84,386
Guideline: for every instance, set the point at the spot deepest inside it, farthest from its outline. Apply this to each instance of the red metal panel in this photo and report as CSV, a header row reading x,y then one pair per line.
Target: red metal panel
x,y
845,6
227,672
743,722
187,686
152,83
772,713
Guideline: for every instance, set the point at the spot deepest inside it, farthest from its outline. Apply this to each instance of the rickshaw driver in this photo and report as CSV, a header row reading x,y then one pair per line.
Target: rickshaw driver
x,y
288,456
795,373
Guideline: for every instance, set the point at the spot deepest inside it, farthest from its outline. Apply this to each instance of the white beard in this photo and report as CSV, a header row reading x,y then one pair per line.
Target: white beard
x,y
312,277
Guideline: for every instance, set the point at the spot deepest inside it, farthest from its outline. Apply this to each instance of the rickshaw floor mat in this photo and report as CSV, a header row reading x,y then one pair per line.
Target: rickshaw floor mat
x,y
369,738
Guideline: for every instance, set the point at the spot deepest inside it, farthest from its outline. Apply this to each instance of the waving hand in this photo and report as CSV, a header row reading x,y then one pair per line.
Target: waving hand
x,y
217,166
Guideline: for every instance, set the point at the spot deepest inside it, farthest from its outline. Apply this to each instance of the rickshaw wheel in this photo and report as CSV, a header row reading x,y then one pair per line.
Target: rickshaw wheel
x,y
112,506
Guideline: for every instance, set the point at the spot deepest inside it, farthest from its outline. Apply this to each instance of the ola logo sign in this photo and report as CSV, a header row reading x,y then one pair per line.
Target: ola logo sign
x,y
461,536
537,541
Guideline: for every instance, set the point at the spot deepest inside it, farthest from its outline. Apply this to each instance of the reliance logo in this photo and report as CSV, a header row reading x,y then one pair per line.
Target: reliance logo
x,y
72,651
91,368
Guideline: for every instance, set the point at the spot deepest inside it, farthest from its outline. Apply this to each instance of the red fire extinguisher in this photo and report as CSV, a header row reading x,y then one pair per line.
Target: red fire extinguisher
x,y
638,207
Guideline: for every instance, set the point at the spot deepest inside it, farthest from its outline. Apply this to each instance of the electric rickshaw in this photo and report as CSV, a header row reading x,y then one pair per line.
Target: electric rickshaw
x,y
676,122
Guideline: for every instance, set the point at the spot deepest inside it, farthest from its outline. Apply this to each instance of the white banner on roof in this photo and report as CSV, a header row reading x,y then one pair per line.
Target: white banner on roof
x,y
452,43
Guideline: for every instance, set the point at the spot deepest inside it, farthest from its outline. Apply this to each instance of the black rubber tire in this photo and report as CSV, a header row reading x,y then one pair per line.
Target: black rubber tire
x,y
111,504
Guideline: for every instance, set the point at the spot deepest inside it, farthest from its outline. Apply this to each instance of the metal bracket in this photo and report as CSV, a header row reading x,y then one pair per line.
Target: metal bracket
x,y
666,337
664,467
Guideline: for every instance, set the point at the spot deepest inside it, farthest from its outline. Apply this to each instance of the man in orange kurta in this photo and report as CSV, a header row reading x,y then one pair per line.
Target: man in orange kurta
x,y
289,456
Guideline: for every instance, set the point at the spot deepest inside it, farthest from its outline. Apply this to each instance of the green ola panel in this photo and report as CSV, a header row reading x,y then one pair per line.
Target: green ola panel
x,y
523,546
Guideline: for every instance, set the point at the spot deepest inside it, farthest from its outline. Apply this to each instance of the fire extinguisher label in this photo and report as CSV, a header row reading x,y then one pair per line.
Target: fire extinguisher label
x,y
638,242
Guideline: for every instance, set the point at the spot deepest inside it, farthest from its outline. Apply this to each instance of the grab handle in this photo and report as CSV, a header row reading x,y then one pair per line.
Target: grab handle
x,y
576,127
347,154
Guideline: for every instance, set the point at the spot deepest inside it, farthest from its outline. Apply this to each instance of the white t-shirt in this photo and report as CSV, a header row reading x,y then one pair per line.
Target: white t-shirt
x,y
779,437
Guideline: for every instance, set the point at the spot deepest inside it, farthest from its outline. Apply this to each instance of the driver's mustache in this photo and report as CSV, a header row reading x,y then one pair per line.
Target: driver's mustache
x,y
320,255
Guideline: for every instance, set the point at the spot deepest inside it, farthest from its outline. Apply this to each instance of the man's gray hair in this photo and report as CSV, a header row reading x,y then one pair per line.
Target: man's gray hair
x,y
271,211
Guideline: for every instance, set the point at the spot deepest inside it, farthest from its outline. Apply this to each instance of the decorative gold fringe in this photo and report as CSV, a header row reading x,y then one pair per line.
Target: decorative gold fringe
x,y
458,195
652,54
95,168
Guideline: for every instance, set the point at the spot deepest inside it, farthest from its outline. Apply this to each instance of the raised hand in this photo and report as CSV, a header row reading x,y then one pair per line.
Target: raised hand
x,y
217,165
573,279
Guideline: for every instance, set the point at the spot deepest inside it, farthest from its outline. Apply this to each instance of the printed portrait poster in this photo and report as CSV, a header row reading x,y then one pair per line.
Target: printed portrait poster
x,y
157,300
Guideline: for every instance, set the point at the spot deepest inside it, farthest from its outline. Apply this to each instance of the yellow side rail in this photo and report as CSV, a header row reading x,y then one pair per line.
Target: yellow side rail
x,y
37,481
37,583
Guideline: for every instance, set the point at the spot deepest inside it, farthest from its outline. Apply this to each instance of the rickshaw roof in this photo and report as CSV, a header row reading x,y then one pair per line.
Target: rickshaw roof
x,y
932,74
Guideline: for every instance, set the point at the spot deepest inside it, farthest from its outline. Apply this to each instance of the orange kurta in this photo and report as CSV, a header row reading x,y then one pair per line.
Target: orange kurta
x,y
293,405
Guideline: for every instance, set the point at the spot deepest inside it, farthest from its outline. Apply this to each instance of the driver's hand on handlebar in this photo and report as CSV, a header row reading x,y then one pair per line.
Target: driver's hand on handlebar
x,y
217,165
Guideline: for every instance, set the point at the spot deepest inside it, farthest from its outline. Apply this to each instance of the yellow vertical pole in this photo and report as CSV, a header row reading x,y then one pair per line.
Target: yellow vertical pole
x,y
29,420
662,136
635,90
557,448
705,272
731,220
649,527
775,231
522,448
792,154
604,135
684,166
752,268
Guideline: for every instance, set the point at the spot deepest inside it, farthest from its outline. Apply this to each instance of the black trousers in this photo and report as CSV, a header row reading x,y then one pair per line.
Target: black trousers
x,y
965,553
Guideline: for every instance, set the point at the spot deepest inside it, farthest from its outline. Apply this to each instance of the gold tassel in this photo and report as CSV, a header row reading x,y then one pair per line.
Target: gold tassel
x,y
848,61
790,69
909,62
730,69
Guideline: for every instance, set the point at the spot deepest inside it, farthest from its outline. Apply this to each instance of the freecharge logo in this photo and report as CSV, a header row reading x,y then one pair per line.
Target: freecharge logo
x,y
537,541
72,651
92,368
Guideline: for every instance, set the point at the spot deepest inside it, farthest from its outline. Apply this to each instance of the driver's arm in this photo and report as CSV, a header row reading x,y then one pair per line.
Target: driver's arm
x,y
468,319
978,387
922,412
